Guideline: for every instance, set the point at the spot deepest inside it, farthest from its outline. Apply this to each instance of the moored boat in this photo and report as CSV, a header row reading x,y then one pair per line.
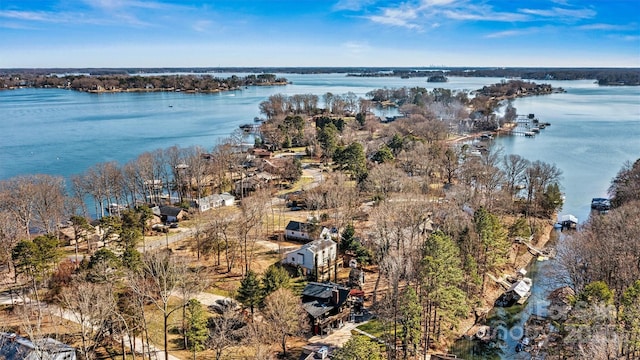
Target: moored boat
x,y
600,204
518,293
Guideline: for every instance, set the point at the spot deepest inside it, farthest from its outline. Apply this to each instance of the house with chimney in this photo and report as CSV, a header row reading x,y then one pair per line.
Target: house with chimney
x,y
326,305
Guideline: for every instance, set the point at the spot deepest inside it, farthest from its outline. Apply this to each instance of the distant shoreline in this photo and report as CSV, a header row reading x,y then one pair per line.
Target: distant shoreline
x,y
127,83
603,76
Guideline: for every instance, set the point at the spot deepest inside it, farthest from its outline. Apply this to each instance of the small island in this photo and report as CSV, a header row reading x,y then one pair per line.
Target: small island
x,y
437,78
517,88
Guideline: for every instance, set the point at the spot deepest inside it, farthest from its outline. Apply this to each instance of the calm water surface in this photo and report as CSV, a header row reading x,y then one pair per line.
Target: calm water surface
x,y
64,132
594,129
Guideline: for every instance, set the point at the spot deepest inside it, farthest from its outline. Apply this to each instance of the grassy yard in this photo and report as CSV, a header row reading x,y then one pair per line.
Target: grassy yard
x,y
298,185
376,328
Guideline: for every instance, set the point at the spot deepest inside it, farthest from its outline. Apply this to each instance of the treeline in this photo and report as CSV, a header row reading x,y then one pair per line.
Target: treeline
x,y
402,73
604,76
97,83
600,264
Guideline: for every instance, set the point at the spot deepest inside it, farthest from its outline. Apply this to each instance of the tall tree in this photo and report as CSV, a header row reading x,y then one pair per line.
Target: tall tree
x,y
197,332
250,292
285,316
91,305
328,140
276,277
514,166
441,277
410,315
10,235
625,187
163,274
352,159
81,232
630,317
226,330
492,237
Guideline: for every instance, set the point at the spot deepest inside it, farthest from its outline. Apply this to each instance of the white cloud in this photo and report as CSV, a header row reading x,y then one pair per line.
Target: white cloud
x,y
31,15
557,12
477,14
437,2
506,33
353,5
601,26
403,17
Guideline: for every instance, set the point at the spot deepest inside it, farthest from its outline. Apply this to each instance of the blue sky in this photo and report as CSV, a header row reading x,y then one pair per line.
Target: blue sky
x,y
171,33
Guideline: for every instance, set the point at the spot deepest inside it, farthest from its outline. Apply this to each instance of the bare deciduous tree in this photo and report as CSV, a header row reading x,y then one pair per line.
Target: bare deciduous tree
x,y
284,316
91,306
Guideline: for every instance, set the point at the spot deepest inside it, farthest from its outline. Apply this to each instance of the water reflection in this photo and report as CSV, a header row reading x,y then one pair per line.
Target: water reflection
x,y
508,324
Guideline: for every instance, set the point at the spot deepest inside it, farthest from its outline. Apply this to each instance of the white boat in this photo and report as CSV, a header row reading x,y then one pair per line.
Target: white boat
x,y
115,208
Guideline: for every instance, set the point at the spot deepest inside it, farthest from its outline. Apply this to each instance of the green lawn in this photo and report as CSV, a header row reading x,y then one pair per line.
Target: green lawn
x,y
376,328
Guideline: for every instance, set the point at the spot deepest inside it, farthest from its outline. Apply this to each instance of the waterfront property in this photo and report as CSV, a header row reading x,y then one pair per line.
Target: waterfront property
x,y
517,293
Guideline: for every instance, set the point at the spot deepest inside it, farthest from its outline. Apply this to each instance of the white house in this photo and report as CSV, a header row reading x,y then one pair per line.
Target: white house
x,y
214,201
319,255
297,230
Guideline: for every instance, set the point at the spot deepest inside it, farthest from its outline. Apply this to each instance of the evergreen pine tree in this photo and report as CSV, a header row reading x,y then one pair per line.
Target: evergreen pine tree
x,y
250,293
196,332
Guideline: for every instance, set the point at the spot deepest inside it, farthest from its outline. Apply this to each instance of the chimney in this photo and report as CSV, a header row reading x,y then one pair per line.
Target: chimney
x,y
335,295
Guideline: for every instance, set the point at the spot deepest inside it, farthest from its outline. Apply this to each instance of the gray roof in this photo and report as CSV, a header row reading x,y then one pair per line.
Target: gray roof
x,y
316,308
317,297
170,210
298,226
14,347
318,245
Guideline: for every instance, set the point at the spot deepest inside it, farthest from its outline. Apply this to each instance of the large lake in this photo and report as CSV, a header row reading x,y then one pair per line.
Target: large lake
x,y
594,129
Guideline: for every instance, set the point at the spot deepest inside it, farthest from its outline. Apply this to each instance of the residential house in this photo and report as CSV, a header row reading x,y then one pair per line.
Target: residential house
x,y
301,231
249,184
14,347
327,306
214,201
261,153
170,214
317,259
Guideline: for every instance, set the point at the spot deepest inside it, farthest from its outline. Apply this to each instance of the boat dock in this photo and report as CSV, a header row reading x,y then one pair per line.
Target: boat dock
x,y
543,254
528,125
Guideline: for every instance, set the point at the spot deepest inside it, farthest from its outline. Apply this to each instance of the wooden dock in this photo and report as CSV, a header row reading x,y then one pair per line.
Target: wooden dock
x,y
532,249
527,125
